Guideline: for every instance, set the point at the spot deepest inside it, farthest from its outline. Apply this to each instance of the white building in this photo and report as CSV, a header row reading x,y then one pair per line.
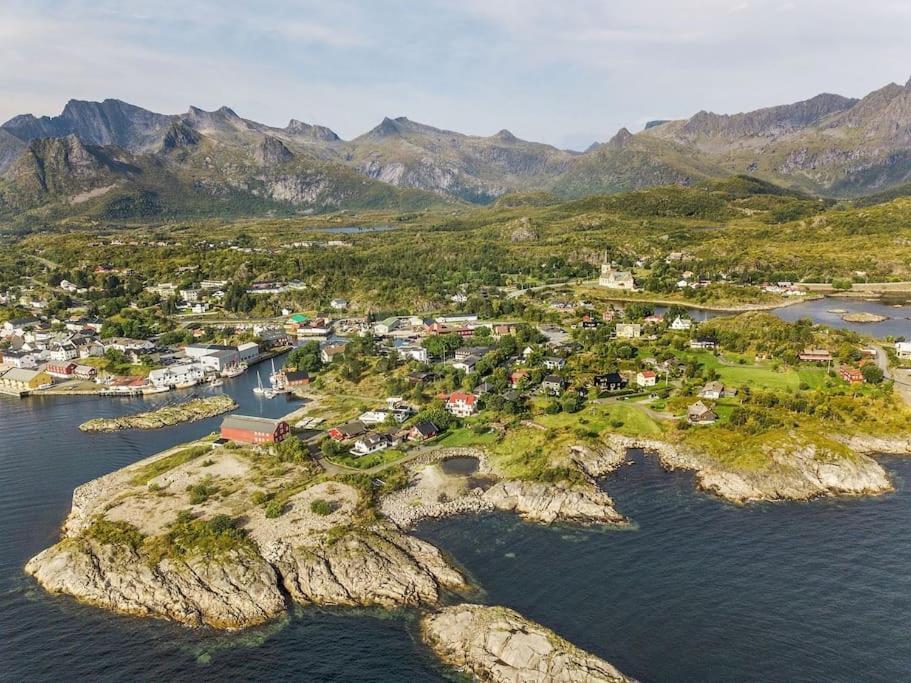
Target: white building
x,y
339,304
418,353
218,361
616,279
629,330
681,323
248,351
903,349
177,376
646,378
462,404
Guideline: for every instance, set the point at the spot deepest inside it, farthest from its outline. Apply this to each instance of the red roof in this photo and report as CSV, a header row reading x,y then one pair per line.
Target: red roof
x,y
462,397
647,373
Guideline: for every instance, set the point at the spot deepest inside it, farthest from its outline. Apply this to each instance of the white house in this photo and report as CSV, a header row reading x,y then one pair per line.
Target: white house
x,y
712,390
371,443
339,304
63,351
374,417
462,404
629,330
681,323
466,364
179,376
646,378
903,349
418,353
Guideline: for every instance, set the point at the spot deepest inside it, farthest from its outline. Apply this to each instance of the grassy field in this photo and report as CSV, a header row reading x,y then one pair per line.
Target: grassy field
x,y
760,375
466,436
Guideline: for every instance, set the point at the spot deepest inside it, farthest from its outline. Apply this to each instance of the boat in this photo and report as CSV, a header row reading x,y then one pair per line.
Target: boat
x,y
259,389
234,370
216,382
276,377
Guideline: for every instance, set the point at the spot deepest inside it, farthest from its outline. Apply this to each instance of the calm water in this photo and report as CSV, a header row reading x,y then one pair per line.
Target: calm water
x,y
899,323
698,590
348,229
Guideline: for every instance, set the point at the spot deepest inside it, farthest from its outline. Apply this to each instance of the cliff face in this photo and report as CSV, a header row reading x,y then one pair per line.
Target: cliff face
x,y
500,645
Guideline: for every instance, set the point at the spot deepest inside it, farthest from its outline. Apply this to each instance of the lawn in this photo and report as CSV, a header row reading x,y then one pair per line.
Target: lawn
x,y
761,375
466,436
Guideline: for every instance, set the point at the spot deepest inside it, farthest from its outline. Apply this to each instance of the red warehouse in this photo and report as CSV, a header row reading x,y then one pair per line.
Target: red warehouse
x,y
245,429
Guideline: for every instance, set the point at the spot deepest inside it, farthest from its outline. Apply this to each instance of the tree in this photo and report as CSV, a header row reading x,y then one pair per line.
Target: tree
x,y
873,374
306,358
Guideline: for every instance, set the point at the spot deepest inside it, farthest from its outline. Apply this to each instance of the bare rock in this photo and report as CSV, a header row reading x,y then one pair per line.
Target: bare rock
x,y
234,591
500,645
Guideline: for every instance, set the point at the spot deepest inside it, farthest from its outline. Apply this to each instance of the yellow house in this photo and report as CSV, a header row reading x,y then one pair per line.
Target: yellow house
x,y
20,379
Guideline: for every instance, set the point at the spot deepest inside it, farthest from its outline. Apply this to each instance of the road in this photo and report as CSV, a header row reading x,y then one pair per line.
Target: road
x,y
900,378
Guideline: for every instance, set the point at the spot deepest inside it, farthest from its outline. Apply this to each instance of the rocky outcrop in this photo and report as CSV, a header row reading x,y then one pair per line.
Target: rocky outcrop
x,y
191,411
497,644
379,566
798,473
243,587
878,445
237,590
548,503
534,501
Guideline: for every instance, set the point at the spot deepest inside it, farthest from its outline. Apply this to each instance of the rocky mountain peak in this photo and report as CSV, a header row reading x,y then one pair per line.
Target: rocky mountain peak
x,y
299,128
271,152
179,136
506,136
621,138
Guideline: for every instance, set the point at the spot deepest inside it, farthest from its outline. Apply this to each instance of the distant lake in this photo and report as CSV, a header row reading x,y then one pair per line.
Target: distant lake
x,y
355,229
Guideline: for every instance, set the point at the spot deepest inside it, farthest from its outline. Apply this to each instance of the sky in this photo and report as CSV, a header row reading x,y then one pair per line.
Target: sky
x,y
566,72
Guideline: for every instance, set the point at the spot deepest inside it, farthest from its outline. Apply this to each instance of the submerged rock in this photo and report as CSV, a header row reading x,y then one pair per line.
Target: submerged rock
x,y
500,645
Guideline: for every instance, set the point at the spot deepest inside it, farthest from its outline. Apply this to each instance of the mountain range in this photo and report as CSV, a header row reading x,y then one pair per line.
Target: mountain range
x,y
116,160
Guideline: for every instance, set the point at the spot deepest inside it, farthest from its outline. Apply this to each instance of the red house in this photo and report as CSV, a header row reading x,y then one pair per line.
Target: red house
x,y
851,375
61,369
247,429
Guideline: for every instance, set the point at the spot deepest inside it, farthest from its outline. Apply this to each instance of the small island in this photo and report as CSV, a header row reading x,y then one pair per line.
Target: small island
x,y
188,411
864,317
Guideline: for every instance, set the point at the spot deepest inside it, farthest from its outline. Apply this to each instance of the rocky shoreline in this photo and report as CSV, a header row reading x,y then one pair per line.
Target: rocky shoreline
x,y
500,645
166,416
794,474
544,503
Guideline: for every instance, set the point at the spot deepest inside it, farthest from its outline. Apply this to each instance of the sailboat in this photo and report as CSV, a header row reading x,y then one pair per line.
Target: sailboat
x,y
275,377
259,389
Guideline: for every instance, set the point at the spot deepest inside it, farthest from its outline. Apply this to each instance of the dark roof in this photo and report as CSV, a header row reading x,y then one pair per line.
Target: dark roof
x,y
553,379
296,375
609,378
250,423
352,428
426,428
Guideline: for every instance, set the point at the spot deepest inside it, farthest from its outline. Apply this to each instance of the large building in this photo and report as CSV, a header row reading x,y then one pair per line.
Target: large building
x,y
616,279
255,430
180,375
21,380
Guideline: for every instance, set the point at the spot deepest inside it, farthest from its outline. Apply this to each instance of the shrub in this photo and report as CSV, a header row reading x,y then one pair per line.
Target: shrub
x,y
201,492
275,509
321,507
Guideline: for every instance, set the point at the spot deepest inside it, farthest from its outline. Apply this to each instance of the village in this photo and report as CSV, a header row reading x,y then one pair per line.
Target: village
x,y
450,378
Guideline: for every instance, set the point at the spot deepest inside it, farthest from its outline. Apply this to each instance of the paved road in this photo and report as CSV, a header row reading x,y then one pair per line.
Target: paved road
x,y
900,378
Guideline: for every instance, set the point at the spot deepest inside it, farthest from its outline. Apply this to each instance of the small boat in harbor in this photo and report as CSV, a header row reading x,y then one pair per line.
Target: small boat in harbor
x,y
216,382
259,389
234,370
